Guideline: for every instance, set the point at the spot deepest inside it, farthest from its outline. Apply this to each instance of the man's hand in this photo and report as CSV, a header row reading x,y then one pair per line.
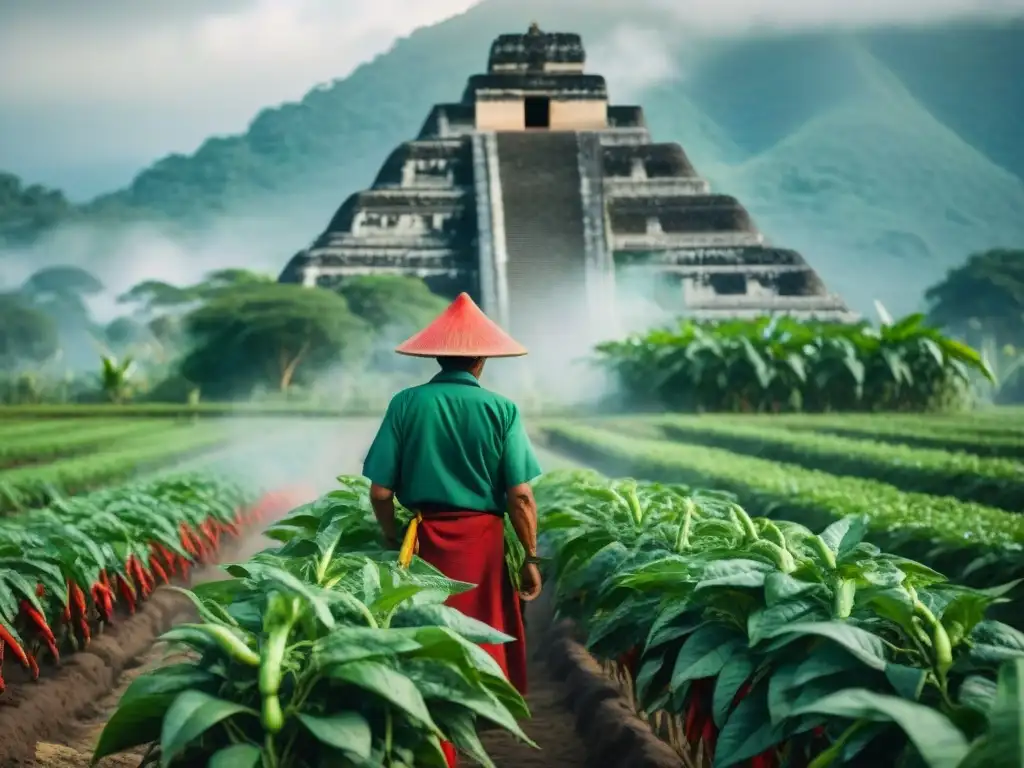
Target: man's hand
x,y
529,582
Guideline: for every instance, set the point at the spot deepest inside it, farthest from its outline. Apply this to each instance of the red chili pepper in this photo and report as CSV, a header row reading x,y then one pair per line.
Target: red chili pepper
x,y
40,590
692,715
127,593
19,653
709,735
98,598
159,571
42,627
33,666
81,608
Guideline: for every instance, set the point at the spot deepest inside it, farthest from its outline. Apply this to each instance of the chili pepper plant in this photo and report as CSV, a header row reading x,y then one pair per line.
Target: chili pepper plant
x,y
321,651
777,646
66,570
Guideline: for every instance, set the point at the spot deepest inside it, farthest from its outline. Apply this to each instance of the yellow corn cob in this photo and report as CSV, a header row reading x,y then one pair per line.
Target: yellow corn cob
x,y
409,542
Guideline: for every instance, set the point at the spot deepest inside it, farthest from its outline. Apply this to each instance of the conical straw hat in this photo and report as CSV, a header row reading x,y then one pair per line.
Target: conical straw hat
x,y
462,330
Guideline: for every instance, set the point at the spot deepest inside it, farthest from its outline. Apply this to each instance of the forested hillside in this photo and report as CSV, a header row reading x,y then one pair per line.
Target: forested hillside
x,y
885,156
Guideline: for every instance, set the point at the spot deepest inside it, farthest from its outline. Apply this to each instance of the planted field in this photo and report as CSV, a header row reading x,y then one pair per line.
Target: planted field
x,y
766,644
34,447
964,539
38,479
995,482
926,432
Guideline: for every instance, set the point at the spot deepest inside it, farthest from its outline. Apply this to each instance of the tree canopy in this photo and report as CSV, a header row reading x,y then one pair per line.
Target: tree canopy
x,y
270,334
982,297
27,334
392,303
157,295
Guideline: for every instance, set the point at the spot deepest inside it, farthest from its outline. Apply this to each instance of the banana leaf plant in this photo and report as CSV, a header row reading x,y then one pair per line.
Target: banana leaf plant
x,y
774,364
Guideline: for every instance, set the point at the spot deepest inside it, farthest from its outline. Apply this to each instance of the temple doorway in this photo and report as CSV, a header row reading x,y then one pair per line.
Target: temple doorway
x,y
537,111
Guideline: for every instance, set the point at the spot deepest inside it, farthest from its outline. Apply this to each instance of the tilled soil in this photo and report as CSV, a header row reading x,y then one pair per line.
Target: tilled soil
x,y
68,705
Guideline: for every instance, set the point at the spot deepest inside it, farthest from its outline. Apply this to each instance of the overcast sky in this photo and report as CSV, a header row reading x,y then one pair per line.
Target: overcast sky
x,y
91,90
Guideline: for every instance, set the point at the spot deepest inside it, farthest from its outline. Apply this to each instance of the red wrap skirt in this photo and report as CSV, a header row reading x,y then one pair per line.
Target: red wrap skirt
x,y
470,546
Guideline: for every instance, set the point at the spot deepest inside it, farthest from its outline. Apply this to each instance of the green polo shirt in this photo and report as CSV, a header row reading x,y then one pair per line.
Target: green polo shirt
x,y
451,442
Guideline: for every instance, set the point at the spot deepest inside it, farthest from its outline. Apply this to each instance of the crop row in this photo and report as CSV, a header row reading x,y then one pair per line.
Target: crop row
x,y
67,570
964,539
31,486
924,433
20,429
771,645
1002,424
325,651
993,481
33,448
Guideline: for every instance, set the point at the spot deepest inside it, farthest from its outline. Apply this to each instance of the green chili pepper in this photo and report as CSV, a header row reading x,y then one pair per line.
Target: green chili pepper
x,y
770,531
942,647
783,560
844,592
822,550
281,615
683,535
746,524
228,641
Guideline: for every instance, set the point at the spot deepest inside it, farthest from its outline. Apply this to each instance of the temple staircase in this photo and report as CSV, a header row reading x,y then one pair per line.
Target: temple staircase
x,y
544,235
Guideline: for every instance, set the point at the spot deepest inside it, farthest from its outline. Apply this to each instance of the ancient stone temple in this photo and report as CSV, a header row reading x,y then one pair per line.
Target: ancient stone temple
x,y
535,194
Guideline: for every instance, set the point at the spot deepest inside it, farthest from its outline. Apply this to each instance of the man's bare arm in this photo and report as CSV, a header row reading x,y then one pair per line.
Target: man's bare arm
x,y
383,501
522,511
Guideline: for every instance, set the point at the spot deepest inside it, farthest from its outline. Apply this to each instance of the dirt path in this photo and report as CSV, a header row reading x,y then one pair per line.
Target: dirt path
x,y
552,726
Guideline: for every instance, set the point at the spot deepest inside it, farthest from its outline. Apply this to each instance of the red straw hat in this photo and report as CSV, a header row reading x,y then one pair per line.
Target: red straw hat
x,y
462,330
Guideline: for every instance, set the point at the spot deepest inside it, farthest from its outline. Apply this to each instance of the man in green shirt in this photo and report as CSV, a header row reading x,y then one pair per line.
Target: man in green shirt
x,y
459,455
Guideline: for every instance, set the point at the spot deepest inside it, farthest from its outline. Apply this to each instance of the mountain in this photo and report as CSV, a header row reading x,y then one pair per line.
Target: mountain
x,y
884,155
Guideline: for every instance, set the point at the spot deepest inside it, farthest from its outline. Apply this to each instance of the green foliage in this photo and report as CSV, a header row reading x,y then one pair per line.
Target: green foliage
x,y
770,641
27,334
964,539
269,333
392,303
784,364
982,297
26,211
322,651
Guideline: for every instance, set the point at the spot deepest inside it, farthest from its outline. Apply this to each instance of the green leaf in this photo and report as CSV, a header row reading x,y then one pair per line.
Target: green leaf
x,y
978,693
446,616
908,682
704,654
735,672
348,732
191,715
747,732
1006,717
844,535
936,739
865,646
460,727
995,642
388,684
347,644
770,621
310,595
236,756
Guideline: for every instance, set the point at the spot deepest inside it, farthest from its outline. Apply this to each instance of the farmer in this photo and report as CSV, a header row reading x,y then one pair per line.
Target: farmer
x,y
458,455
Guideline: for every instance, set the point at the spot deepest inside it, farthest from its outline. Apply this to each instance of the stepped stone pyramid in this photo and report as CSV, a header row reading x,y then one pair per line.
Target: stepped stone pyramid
x,y
533,194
